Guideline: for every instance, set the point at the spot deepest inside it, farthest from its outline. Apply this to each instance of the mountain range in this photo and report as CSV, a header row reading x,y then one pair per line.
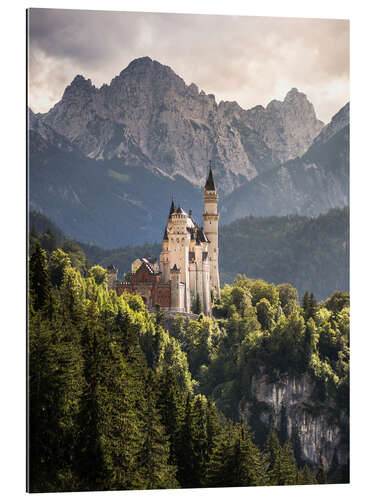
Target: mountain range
x,y
104,162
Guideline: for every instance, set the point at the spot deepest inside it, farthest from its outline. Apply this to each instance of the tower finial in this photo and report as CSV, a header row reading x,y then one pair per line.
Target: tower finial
x,y
172,209
210,184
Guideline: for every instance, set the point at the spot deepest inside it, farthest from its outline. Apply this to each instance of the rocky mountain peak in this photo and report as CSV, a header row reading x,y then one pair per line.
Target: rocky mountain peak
x,y
294,94
148,116
287,127
79,87
339,121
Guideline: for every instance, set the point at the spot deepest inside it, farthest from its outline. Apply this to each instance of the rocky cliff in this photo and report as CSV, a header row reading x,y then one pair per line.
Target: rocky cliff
x,y
306,185
289,404
104,161
149,117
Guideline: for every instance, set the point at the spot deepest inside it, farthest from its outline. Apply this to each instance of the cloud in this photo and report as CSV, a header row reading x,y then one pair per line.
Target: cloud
x,y
251,60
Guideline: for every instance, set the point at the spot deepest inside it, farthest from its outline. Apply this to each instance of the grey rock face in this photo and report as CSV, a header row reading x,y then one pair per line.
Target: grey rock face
x,y
149,117
289,127
46,134
339,121
307,185
286,404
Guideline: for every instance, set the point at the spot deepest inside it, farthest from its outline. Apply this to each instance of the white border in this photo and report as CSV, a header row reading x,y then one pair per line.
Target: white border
x,y
12,198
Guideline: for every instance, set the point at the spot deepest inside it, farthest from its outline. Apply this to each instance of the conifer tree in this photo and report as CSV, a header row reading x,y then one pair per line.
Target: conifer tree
x,y
56,385
120,398
321,476
219,471
40,285
90,462
155,471
288,466
58,262
248,465
273,456
235,460
313,305
197,306
306,303
305,476
171,401
199,439
213,424
184,448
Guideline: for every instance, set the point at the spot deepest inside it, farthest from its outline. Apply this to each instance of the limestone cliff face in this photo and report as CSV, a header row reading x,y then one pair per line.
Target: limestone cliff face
x,y
149,117
289,405
307,185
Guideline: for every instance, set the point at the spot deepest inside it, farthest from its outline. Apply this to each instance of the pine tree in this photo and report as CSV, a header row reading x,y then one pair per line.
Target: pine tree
x,y
39,284
159,315
171,402
90,461
313,306
154,469
272,452
310,342
199,439
120,398
247,462
305,476
197,306
55,388
184,448
321,476
58,262
306,304
213,424
219,470
288,466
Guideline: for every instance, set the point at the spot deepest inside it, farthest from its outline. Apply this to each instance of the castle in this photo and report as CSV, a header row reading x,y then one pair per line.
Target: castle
x,y
189,262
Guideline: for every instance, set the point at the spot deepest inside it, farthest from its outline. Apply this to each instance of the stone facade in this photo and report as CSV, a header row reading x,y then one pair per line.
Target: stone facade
x,y
189,262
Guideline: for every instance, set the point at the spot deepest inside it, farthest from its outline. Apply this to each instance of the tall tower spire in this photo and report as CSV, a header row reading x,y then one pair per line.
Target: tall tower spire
x,y
210,184
211,228
172,209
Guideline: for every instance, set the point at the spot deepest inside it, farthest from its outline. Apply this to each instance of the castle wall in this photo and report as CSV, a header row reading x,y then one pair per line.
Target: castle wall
x,y
148,286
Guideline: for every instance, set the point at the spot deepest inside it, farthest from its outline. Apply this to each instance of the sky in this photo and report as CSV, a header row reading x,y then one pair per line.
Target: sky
x,y
251,60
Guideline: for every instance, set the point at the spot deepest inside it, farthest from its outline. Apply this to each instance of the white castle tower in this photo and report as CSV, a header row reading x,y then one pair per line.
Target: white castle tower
x,y
178,251
189,262
211,229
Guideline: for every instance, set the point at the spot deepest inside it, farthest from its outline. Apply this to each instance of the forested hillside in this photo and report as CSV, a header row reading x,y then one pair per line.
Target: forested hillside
x,y
310,253
117,402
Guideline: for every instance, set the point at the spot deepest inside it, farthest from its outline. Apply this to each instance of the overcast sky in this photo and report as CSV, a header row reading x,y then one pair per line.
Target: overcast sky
x,y
251,60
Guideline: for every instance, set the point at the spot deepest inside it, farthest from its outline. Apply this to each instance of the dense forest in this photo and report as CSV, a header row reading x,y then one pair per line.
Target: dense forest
x,y
310,253
116,401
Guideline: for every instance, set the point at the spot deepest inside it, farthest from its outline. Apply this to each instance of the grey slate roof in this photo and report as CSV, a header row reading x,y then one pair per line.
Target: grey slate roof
x,y
210,184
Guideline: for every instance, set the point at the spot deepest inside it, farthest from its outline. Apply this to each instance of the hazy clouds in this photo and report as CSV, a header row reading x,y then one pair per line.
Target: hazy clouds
x,y
251,60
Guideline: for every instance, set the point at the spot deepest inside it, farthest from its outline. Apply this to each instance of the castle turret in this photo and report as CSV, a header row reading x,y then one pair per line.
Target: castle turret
x,y
211,229
178,249
112,273
176,290
164,260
